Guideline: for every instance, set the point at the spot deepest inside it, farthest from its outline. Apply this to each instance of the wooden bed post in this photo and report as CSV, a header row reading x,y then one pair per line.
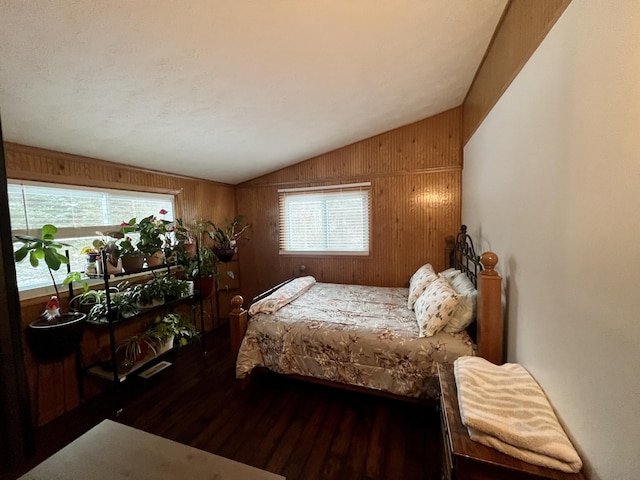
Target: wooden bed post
x,y
237,324
490,323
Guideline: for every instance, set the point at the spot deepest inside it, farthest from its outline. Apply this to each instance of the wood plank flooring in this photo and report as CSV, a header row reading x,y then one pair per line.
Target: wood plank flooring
x,y
296,429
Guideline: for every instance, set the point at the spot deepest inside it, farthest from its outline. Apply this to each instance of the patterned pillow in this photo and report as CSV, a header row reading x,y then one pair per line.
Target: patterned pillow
x,y
466,311
435,307
419,282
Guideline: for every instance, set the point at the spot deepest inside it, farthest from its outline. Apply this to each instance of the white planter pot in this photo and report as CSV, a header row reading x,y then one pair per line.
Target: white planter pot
x,y
166,347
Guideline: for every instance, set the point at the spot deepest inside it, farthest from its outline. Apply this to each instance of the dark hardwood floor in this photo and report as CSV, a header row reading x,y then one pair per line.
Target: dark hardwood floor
x,y
293,428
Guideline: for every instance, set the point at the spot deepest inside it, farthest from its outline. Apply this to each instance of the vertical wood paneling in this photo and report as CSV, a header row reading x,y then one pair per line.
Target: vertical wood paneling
x,y
54,386
522,28
415,173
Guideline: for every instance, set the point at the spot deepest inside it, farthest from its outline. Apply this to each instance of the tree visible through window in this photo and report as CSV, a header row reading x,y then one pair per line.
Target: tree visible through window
x,y
325,220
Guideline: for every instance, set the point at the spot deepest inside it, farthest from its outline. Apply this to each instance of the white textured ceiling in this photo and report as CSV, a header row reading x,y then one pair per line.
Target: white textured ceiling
x,y
229,90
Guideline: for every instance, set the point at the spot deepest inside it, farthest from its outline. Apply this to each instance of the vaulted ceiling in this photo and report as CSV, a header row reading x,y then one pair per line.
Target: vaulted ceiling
x,y
229,90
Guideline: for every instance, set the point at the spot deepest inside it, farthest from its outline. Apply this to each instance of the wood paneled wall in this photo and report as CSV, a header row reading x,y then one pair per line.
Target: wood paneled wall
x,y
54,386
415,173
523,26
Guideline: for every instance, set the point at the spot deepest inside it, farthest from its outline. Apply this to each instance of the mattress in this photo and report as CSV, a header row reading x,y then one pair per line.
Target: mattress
x,y
352,334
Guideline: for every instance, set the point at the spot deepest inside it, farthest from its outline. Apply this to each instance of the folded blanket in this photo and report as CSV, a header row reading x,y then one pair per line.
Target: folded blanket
x,y
285,294
503,407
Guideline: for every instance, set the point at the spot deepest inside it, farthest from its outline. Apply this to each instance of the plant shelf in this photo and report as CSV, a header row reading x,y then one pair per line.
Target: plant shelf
x,y
107,373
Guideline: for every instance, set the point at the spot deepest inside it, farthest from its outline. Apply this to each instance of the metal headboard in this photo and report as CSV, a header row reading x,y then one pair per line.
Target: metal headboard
x,y
463,256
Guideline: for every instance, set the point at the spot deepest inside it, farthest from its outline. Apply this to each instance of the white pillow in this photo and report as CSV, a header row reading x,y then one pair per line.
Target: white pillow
x,y
435,307
419,282
466,311
449,274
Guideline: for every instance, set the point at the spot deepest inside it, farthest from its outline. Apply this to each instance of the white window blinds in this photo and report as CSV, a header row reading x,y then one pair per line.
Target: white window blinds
x,y
320,220
79,210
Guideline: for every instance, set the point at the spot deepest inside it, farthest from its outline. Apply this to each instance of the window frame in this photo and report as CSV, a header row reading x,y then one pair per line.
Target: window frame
x,y
71,233
324,191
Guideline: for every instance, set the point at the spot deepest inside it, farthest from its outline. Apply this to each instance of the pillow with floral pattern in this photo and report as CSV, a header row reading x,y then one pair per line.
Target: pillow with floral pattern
x,y
435,307
419,282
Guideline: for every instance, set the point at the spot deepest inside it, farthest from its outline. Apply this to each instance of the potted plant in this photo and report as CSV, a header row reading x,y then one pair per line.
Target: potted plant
x,y
92,256
225,239
152,238
56,334
202,270
147,295
171,329
96,303
132,257
108,247
134,349
173,288
86,300
185,240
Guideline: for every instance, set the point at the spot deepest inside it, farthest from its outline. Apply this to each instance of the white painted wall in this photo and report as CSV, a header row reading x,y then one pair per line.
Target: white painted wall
x,y
552,184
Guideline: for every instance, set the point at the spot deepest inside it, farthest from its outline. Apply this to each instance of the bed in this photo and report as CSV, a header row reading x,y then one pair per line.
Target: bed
x,y
367,338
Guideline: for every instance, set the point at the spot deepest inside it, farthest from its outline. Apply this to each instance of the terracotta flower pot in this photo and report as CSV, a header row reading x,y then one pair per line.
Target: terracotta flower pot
x,y
155,259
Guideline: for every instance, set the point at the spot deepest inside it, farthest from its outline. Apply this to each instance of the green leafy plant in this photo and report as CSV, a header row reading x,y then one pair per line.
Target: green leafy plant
x,y
118,243
146,293
135,347
172,325
87,299
126,247
182,232
177,241
227,237
121,303
173,288
204,267
45,248
153,231
108,245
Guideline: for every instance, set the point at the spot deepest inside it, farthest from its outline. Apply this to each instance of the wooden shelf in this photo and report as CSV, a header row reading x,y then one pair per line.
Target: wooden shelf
x,y
107,373
165,305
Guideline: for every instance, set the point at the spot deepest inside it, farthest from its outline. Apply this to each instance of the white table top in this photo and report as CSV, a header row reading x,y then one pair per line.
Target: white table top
x,y
112,451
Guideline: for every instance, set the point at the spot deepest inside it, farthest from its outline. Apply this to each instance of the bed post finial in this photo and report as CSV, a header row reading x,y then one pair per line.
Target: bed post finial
x,y
489,261
236,302
237,324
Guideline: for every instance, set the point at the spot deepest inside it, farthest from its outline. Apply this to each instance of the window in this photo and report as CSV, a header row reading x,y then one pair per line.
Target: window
x,y
79,213
322,220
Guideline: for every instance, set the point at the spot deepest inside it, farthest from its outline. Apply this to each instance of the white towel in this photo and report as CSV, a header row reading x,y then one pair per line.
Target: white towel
x,y
503,407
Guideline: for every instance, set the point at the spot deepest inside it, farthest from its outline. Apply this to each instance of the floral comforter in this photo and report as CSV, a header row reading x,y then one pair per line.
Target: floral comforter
x,y
352,334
